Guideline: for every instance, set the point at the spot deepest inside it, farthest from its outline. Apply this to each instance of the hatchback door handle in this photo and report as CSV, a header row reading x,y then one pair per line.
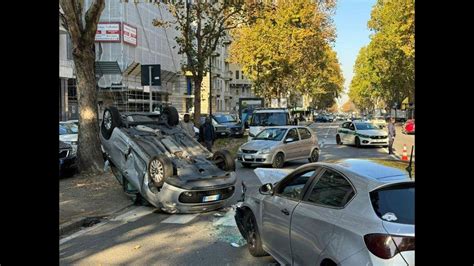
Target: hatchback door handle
x,y
285,211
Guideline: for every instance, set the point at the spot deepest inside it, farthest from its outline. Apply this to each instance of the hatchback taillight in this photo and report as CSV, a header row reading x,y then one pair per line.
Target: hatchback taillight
x,y
387,246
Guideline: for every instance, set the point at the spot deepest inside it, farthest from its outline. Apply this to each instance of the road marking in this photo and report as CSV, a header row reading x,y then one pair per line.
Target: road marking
x,y
134,214
180,218
227,220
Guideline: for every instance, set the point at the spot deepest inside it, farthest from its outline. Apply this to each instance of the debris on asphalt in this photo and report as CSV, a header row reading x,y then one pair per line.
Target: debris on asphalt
x,y
90,221
218,214
137,247
235,245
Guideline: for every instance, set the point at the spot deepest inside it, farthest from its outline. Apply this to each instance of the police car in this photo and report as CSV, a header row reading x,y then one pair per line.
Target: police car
x,y
361,133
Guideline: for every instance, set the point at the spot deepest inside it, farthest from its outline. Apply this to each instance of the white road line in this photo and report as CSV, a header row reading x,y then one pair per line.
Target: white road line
x,y
134,214
179,218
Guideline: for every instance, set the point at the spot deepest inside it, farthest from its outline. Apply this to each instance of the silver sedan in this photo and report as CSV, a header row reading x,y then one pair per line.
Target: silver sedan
x,y
350,212
277,145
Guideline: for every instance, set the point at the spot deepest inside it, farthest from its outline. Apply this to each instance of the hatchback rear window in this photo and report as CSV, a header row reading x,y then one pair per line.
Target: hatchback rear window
x,y
395,203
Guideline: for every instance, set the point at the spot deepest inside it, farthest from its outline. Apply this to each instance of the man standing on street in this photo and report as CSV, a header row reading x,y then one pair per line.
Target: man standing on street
x,y
391,134
187,125
207,134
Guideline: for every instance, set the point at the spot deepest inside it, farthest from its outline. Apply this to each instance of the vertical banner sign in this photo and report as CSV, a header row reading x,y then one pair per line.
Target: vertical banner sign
x,y
129,34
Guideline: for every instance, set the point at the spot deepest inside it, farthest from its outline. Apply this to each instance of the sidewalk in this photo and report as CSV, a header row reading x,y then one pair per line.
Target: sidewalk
x,y
87,199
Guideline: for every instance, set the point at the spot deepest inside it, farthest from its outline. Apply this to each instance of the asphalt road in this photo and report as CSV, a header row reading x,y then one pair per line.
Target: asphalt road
x,y
145,236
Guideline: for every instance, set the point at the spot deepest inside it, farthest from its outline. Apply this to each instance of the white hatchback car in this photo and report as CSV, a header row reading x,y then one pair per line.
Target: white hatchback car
x,y
361,133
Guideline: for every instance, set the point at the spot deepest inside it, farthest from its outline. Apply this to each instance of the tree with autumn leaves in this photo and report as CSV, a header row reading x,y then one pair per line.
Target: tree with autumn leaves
x,y
385,68
287,47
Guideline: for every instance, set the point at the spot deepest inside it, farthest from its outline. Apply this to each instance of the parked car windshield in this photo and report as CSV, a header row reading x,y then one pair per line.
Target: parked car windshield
x,y
269,119
68,128
275,134
365,126
224,119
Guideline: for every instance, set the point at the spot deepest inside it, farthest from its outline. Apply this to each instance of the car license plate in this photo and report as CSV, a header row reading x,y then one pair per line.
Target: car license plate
x,y
211,198
248,157
222,133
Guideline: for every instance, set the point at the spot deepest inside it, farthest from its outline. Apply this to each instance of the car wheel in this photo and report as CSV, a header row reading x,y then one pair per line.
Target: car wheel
x,y
338,140
279,160
224,160
110,120
314,156
159,169
172,115
246,165
253,236
357,142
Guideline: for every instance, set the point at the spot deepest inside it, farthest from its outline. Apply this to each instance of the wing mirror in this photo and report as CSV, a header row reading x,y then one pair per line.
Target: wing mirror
x,y
266,189
288,140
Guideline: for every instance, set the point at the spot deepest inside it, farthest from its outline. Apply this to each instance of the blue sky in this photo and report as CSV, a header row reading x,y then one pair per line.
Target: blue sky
x,y
352,33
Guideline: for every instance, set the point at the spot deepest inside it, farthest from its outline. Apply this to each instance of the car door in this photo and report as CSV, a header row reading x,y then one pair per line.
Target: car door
x,y
305,143
343,131
277,210
314,218
350,134
291,149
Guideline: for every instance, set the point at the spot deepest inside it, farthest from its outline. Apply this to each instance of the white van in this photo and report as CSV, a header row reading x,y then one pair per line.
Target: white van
x,y
267,117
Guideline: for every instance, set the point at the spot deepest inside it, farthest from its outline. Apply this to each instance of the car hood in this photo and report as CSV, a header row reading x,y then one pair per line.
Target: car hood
x,y
68,137
372,132
259,144
231,124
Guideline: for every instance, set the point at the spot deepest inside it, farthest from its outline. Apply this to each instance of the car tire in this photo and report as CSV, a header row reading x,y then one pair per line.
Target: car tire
x,y
279,160
338,139
111,119
314,156
224,160
246,165
172,115
254,241
160,168
357,142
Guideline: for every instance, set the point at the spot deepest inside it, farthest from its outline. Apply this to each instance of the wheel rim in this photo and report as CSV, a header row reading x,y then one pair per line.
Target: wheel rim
x,y
314,156
278,160
156,171
108,120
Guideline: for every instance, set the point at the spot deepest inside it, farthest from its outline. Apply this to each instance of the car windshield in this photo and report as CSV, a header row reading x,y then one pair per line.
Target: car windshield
x,y
68,128
395,203
275,134
365,126
269,119
224,119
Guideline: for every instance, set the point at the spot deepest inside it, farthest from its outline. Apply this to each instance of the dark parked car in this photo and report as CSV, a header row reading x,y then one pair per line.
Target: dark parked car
x,y
233,126
321,118
155,160
67,158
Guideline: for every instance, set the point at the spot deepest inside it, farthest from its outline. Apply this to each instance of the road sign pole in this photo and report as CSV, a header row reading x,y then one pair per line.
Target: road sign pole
x,y
151,95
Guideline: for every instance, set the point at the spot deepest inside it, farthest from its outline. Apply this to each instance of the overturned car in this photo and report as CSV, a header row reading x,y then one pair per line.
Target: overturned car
x,y
160,163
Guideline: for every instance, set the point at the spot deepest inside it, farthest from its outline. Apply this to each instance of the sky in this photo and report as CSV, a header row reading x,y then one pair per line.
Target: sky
x,y
352,34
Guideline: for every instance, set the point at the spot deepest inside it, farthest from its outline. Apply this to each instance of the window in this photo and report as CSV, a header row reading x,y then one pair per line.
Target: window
x,y
236,74
351,126
293,187
398,200
332,189
304,133
292,134
345,125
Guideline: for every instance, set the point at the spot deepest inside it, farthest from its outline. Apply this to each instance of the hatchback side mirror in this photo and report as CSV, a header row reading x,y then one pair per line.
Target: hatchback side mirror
x,y
288,140
266,189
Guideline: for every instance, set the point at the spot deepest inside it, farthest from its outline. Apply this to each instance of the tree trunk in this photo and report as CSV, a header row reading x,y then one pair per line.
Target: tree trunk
x,y
89,153
197,100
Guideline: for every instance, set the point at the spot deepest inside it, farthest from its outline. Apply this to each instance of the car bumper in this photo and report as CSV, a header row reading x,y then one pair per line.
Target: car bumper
x,y
255,158
364,257
67,163
373,142
171,199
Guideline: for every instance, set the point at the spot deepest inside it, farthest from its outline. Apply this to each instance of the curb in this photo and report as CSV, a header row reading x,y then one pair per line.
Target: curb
x,y
78,223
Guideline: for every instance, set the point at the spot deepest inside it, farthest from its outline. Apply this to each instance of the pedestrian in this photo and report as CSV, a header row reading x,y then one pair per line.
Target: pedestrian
x,y
187,125
391,134
207,134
